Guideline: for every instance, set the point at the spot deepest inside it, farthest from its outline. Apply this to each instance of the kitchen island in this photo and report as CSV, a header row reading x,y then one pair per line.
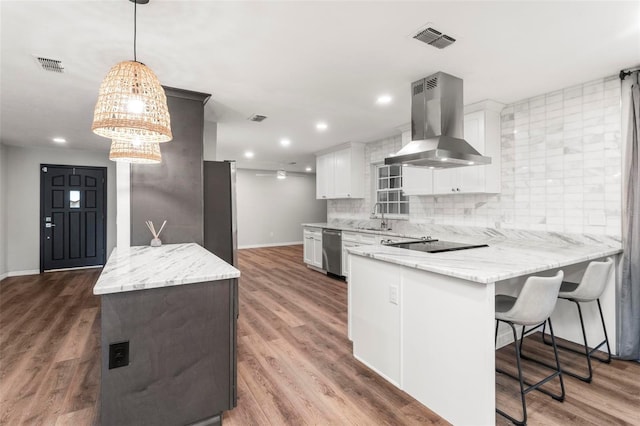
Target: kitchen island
x,y
425,321
168,336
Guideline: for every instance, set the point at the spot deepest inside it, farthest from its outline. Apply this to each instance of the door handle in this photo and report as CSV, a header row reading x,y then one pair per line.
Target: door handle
x,y
49,225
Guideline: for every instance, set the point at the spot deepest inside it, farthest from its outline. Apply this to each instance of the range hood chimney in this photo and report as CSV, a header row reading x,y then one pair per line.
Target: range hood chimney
x,y
437,126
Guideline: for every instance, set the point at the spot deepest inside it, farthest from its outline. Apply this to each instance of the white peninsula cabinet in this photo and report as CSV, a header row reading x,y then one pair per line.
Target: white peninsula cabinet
x,y
313,247
340,173
482,131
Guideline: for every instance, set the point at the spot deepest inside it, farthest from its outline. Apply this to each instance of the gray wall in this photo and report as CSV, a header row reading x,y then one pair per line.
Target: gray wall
x,y
23,199
270,211
3,210
172,191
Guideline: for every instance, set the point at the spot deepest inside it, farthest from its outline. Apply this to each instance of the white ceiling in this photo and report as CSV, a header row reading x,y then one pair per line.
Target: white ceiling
x,y
297,62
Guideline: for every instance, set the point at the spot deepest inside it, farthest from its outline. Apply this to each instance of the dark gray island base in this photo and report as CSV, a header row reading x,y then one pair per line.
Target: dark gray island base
x,y
181,366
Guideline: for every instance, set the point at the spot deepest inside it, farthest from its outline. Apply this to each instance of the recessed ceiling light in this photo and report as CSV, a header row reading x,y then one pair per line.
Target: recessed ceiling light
x,y
248,154
443,159
285,142
308,169
321,126
59,140
471,163
383,100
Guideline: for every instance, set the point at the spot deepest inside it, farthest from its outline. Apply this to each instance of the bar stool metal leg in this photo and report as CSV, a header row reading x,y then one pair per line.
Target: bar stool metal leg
x,y
558,370
532,386
519,378
588,353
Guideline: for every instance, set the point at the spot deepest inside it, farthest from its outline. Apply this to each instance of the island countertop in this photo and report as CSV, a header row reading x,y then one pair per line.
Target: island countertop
x,y
500,261
145,267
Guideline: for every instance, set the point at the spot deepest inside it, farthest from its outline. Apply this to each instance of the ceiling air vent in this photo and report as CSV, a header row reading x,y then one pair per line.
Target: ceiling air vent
x,y
49,64
434,38
257,118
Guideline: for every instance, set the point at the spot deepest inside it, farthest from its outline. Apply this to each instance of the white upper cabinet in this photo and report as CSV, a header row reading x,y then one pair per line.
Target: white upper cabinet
x,y
482,131
415,180
324,169
340,174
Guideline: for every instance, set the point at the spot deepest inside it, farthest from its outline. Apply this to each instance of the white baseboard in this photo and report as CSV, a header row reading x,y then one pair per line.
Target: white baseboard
x,y
3,276
290,243
504,339
21,273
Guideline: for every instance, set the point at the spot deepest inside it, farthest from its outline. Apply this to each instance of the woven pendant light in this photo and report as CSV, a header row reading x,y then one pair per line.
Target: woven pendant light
x,y
132,105
135,152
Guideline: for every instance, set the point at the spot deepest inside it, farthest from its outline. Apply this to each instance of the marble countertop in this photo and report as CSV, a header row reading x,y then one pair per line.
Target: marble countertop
x,y
500,261
145,267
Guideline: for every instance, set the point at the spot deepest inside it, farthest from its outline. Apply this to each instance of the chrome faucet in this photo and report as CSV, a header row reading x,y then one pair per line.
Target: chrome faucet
x,y
383,224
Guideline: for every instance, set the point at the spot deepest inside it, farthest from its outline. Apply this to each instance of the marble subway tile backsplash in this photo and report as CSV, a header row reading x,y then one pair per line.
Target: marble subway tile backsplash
x,y
561,169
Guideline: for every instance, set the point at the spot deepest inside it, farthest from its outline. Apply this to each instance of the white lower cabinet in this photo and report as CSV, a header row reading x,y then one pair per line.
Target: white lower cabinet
x,y
354,239
345,257
308,249
312,248
317,250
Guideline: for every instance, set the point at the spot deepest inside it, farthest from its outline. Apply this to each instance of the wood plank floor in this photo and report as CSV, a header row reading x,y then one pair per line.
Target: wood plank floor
x,y
49,349
294,359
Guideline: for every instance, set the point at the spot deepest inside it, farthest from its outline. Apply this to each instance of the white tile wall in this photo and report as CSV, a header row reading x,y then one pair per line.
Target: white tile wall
x,y
561,168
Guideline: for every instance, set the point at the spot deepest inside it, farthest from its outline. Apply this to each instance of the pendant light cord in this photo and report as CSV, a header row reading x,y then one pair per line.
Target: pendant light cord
x,y
135,21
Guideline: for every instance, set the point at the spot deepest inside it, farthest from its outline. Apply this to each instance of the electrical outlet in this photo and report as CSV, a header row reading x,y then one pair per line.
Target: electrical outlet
x,y
393,294
118,355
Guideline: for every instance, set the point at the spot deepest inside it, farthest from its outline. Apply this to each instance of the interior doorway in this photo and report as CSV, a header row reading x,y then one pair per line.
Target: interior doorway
x,y
73,209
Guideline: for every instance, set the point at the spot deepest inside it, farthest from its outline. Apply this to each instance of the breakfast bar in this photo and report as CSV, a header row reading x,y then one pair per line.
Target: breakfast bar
x,y
425,321
168,335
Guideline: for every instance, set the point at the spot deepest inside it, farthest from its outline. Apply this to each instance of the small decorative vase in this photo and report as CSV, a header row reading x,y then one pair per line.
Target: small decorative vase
x,y
156,242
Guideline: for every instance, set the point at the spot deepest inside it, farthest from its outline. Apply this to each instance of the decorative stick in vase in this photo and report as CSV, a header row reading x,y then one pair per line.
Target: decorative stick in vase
x,y
155,242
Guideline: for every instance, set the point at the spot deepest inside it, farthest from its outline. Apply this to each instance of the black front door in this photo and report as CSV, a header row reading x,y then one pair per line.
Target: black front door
x,y
72,216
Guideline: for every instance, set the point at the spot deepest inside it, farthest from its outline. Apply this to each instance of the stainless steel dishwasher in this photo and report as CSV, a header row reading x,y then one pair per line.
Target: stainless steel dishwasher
x,y
332,251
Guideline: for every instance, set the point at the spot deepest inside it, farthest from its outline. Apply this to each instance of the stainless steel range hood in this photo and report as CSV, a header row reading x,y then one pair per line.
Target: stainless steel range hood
x,y
437,126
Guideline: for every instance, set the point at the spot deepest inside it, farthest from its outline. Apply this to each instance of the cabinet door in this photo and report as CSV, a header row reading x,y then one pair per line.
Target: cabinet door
x,y
317,251
370,239
342,173
445,181
471,179
325,176
308,249
417,181
345,258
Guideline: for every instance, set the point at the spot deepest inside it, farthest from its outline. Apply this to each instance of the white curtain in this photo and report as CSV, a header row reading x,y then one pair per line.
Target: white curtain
x,y
629,296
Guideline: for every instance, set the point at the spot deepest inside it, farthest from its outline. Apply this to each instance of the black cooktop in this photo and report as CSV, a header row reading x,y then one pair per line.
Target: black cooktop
x,y
435,246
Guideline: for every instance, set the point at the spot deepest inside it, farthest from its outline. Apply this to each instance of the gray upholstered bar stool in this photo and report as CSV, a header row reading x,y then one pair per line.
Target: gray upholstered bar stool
x,y
532,307
589,289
